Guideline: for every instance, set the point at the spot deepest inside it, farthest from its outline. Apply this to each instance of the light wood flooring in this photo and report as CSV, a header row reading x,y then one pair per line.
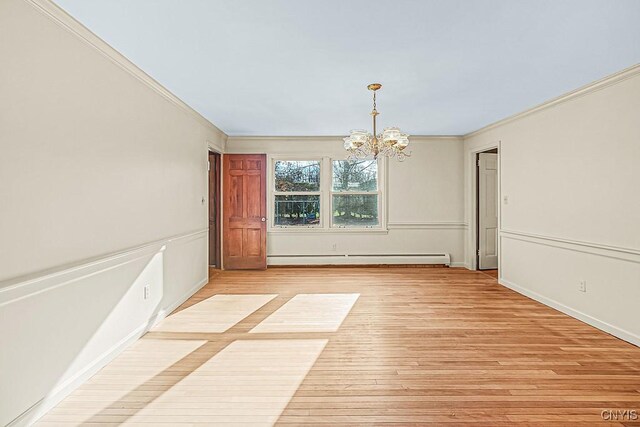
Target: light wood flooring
x,y
403,346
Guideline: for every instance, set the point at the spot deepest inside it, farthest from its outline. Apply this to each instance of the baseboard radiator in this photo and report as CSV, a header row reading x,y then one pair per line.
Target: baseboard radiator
x,y
359,259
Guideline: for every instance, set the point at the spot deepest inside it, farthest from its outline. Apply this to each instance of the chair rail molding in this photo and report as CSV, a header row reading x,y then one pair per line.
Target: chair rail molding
x,y
621,253
444,225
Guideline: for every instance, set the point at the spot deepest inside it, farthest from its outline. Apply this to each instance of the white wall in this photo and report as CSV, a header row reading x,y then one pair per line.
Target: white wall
x,y
102,175
425,200
570,172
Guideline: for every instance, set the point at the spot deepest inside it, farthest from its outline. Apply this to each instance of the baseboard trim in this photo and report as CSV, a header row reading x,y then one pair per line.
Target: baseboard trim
x,y
459,264
359,266
63,390
583,317
171,307
391,259
44,405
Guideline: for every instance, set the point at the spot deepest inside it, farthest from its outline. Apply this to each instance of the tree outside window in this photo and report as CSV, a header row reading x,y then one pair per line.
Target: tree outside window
x,y
297,193
355,193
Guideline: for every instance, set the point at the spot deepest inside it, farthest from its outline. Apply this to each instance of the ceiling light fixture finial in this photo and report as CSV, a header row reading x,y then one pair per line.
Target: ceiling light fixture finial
x,y
391,142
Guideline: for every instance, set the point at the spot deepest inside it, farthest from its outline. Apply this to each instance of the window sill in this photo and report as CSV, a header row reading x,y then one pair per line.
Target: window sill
x,y
311,230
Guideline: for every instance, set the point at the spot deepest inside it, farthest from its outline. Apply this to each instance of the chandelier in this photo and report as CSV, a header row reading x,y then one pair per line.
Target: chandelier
x,y
391,142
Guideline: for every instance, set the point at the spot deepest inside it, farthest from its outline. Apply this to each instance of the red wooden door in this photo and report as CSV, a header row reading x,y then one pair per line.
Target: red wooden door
x,y
245,211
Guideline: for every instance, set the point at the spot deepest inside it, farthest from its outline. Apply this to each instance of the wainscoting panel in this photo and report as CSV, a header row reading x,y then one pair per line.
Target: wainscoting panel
x,y
550,270
59,329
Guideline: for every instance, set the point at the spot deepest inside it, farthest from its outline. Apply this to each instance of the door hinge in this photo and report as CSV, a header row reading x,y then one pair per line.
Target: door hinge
x,y
478,252
478,162
208,165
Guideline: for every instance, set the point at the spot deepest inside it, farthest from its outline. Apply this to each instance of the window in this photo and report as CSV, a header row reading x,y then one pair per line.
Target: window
x,y
319,194
296,193
354,193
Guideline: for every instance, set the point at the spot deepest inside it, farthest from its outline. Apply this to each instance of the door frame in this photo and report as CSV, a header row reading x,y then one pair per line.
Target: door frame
x,y
472,230
218,231
477,197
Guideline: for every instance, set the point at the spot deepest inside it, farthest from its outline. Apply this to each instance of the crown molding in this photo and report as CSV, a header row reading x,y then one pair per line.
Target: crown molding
x,y
310,138
66,21
605,82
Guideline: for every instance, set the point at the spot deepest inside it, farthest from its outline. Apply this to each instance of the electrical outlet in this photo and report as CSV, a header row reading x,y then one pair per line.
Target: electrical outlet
x,y
334,247
147,291
582,286
505,199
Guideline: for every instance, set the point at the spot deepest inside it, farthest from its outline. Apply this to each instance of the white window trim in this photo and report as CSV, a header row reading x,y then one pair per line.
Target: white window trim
x,y
272,193
378,192
326,199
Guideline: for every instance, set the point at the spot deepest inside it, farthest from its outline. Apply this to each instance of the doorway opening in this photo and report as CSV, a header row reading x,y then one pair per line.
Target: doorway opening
x,y
214,210
487,205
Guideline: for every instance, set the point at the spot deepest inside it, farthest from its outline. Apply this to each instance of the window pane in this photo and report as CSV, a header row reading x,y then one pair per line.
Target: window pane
x,y
295,175
355,209
297,210
359,175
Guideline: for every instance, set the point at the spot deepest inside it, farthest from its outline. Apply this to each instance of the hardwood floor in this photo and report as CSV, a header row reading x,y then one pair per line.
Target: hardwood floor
x,y
493,273
419,346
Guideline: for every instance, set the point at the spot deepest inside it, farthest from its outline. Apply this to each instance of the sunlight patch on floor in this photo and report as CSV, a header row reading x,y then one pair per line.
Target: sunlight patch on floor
x,y
309,313
248,382
214,315
118,383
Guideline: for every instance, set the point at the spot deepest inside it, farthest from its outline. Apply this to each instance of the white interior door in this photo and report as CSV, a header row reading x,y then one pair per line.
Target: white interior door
x,y
488,211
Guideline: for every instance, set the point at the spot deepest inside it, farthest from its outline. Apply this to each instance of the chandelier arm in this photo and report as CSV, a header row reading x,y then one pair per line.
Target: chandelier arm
x,y
390,143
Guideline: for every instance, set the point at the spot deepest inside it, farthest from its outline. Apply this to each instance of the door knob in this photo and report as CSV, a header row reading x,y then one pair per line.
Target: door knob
x,y
263,219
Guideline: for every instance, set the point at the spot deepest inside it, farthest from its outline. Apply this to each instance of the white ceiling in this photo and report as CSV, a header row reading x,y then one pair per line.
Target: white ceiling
x,y
300,67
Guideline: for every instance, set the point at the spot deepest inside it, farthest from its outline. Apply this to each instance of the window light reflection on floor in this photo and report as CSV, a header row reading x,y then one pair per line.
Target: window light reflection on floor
x,y
248,382
116,389
214,315
309,313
